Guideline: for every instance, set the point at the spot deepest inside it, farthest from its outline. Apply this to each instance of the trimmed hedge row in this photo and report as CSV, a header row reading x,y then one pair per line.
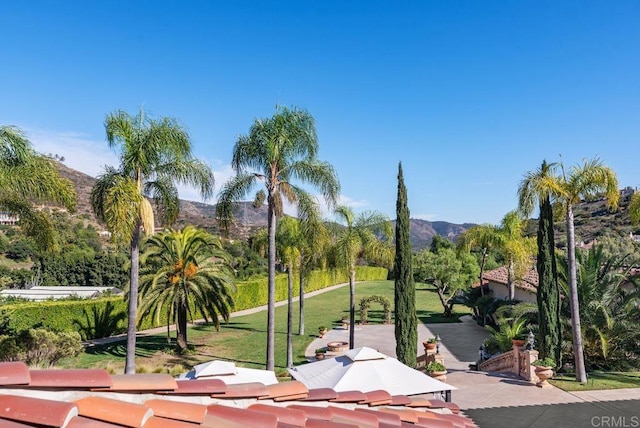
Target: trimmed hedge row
x,y
78,315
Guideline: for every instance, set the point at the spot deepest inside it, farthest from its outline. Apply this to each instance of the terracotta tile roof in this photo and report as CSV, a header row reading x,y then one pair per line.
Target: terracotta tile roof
x,y
500,275
95,399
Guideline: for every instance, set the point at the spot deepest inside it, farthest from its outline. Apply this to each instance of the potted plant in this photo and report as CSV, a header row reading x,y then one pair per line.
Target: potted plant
x,y
430,344
322,330
544,371
436,369
320,353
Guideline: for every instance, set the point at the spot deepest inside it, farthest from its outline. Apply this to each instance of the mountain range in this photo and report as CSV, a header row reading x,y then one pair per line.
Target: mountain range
x,y
592,218
248,218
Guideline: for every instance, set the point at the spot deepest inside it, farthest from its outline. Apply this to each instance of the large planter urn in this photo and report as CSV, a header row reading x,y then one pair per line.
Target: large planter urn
x,y
429,346
441,375
544,373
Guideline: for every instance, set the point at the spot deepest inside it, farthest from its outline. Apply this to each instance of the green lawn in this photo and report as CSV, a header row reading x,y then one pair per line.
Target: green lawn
x,y
243,339
598,380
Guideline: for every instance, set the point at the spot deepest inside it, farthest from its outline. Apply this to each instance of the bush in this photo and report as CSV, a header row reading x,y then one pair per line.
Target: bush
x,y
40,347
545,362
105,316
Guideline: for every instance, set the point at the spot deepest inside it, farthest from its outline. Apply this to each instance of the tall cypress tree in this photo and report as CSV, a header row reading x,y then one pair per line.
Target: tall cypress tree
x,y
406,327
550,333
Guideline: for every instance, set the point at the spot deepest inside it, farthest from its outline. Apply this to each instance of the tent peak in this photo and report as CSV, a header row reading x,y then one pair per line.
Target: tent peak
x,y
364,353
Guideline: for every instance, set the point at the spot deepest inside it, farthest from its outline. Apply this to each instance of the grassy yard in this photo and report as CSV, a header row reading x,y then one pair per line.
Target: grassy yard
x,y
598,380
243,339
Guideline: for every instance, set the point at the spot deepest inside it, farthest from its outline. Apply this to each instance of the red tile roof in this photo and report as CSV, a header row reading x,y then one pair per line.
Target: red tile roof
x,y
93,398
500,275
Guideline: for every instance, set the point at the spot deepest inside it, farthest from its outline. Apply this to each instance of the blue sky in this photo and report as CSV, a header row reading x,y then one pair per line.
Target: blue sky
x,y
469,95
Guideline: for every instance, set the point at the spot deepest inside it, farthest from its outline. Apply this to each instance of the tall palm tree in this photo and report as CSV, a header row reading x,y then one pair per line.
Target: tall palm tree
x,y
287,238
358,238
181,269
589,180
277,151
27,178
484,236
312,243
155,155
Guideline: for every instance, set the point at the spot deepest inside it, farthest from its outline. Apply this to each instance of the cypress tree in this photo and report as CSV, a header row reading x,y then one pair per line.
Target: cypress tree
x,y
406,321
548,294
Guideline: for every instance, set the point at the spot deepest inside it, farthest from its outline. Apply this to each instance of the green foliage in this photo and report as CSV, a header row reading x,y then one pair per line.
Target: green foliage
x,y
548,293
507,330
69,315
406,321
40,347
544,362
386,306
101,322
435,366
20,250
449,272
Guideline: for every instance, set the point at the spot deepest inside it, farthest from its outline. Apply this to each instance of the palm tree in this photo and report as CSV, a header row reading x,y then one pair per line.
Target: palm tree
x,y
590,180
27,178
516,249
181,269
358,238
287,238
484,236
155,155
276,151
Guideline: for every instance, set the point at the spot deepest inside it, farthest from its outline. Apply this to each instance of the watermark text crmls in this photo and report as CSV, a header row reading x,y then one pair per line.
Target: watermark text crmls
x,y
609,421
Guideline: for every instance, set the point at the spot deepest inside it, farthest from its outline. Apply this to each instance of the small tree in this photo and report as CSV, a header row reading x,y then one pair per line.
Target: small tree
x,y
448,272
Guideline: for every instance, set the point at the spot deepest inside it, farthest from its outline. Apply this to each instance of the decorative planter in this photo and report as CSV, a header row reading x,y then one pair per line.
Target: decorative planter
x,y
429,346
441,376
337,346
518,342
322,332
543,374
320,356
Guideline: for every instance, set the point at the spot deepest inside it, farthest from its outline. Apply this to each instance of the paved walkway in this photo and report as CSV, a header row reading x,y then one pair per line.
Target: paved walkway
x,y
476,390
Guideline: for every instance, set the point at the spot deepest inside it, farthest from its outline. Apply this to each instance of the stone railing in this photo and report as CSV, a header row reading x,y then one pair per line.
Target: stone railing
x,y
517,361
499,363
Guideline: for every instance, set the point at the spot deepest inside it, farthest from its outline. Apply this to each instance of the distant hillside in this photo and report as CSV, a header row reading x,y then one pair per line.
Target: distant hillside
x,y
592,219
196,213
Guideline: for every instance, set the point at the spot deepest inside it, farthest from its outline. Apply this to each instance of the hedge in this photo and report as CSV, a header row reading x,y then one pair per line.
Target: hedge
x,y
71,315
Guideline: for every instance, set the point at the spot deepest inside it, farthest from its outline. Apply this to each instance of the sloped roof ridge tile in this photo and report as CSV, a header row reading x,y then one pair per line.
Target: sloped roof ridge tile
x,y
349,397
220,416
114,411
188,412
14,373
37,411
145,382
70,378
292,388
198,387
244,390
295,417
377,398
320,394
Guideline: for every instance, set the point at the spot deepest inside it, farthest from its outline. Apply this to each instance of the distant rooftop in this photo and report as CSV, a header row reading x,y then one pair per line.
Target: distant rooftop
x,y
39,293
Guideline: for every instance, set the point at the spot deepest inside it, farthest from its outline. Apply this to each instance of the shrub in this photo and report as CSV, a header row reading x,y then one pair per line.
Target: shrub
x,y
40,347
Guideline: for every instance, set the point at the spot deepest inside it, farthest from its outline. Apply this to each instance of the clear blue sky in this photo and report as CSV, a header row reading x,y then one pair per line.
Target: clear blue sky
x,y
469,95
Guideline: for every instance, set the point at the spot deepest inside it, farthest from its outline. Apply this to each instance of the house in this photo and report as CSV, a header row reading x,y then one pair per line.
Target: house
x,y
8,219
496,281
40,293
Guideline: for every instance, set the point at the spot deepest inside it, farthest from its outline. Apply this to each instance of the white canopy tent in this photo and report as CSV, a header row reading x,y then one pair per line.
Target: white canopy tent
x,y
365,369
229,373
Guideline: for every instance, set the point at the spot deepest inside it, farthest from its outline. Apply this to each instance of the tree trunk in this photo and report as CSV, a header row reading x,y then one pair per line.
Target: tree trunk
x,y
271,287
578,352
181,331
445,304
289,317
510,286
352,307
301,302
130,362
484,260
